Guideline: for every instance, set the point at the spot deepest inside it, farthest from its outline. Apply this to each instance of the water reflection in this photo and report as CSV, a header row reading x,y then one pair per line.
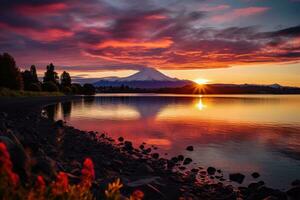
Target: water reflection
x,y
234,133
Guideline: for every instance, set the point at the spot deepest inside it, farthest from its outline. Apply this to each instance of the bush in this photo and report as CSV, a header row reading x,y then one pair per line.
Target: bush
x,y
67,90
36,87
77,88
89,89
50,86
10,187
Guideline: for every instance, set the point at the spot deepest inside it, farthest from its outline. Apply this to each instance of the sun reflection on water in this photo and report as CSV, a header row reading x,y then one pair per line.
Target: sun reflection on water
x,y
200,105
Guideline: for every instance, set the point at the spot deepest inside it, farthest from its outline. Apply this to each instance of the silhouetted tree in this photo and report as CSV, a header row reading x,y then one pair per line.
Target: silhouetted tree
x,y
30,79
50,86
51,75
10,75
77,88
89,89
34,74
65,80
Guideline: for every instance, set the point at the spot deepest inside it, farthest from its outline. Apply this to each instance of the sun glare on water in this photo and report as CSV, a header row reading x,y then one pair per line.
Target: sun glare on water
x,y
201,81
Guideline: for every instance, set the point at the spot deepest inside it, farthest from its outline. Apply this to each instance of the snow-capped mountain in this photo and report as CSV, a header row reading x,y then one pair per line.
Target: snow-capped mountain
x,y
145,78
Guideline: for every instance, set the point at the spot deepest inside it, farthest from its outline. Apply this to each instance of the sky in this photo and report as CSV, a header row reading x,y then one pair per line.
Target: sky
x,y
224,41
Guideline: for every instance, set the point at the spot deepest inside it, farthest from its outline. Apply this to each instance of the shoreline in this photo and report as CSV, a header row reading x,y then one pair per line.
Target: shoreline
x,y
57,147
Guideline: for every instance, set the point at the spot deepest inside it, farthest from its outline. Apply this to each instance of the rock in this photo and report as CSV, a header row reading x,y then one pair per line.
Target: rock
x,y
174,159
120,139
294,193
271,198
182,168
59,123
237,177
296,182
142,146
128,145
190,148
255,186
155,155
145,168
195,170
187,161
255,175
180,157
265,192
211,170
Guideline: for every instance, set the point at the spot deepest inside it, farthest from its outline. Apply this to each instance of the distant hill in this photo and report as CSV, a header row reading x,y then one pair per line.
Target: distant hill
x,y
147,78
233,89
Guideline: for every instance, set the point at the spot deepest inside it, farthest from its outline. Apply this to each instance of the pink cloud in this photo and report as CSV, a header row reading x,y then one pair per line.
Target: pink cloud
x,y
238,13
47,35
215,8
53,8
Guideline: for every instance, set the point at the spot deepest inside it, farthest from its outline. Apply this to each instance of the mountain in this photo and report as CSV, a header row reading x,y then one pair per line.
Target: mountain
x,y
145,78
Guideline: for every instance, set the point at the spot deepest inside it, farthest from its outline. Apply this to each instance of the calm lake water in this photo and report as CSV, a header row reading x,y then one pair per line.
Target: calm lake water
x,y
236,133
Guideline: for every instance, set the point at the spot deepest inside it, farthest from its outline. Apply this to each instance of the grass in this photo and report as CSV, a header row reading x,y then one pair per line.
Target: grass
x,y
5,92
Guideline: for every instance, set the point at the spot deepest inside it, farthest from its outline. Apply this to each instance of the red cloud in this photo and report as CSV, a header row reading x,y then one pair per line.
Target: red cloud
x,y
44,9
238,13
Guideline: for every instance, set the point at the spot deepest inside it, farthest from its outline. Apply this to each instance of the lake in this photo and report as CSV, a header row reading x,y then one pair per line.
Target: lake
x,y
235,133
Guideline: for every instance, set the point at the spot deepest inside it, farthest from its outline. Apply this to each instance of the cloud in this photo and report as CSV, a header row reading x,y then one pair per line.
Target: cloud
x,y
99,35
238,14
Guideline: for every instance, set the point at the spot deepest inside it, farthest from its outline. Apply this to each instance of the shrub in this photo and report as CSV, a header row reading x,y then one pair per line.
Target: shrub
x,y
10,187
67,90
89,89
77,88
50,86
36,87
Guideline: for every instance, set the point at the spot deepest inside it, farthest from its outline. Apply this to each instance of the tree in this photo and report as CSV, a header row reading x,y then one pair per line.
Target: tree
x,y
51,75
30,78
65,80
10,75
76,88
50,86
89,89
33,74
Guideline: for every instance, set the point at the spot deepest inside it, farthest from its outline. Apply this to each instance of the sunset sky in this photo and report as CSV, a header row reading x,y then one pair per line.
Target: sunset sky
x,y
224,41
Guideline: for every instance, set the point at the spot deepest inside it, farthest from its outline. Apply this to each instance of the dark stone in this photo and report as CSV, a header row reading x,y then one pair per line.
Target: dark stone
x,y
296,182
294,193
128,145
121,139
182,168
155,155
237,177
187,161
59,123
255,186
180,157
174,159
255,175
211,170
190,148
142,146
195,170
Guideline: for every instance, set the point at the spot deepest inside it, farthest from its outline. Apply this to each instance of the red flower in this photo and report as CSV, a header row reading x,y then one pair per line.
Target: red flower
x,y
40,184
137,195
61,185
88,173
6,165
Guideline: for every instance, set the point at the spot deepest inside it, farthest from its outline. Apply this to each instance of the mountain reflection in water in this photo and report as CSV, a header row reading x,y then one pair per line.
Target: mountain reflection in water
x,y
234,133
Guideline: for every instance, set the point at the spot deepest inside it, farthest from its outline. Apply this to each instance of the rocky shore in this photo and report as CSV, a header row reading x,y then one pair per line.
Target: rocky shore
x,y
39,145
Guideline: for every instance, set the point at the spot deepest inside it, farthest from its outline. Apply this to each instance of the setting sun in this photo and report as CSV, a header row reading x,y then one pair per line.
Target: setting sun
x,y
201,81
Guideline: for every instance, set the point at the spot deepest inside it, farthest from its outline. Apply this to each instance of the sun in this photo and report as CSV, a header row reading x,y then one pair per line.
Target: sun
x,y
201,81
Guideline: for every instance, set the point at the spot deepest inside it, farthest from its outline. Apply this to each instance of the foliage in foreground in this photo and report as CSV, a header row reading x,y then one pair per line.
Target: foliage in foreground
x,y
59,189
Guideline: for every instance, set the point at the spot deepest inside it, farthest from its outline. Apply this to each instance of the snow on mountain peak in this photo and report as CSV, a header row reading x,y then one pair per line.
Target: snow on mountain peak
x,y
148,74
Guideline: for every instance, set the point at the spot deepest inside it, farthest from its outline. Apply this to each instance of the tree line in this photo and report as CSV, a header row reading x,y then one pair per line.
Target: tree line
x,y
13,78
